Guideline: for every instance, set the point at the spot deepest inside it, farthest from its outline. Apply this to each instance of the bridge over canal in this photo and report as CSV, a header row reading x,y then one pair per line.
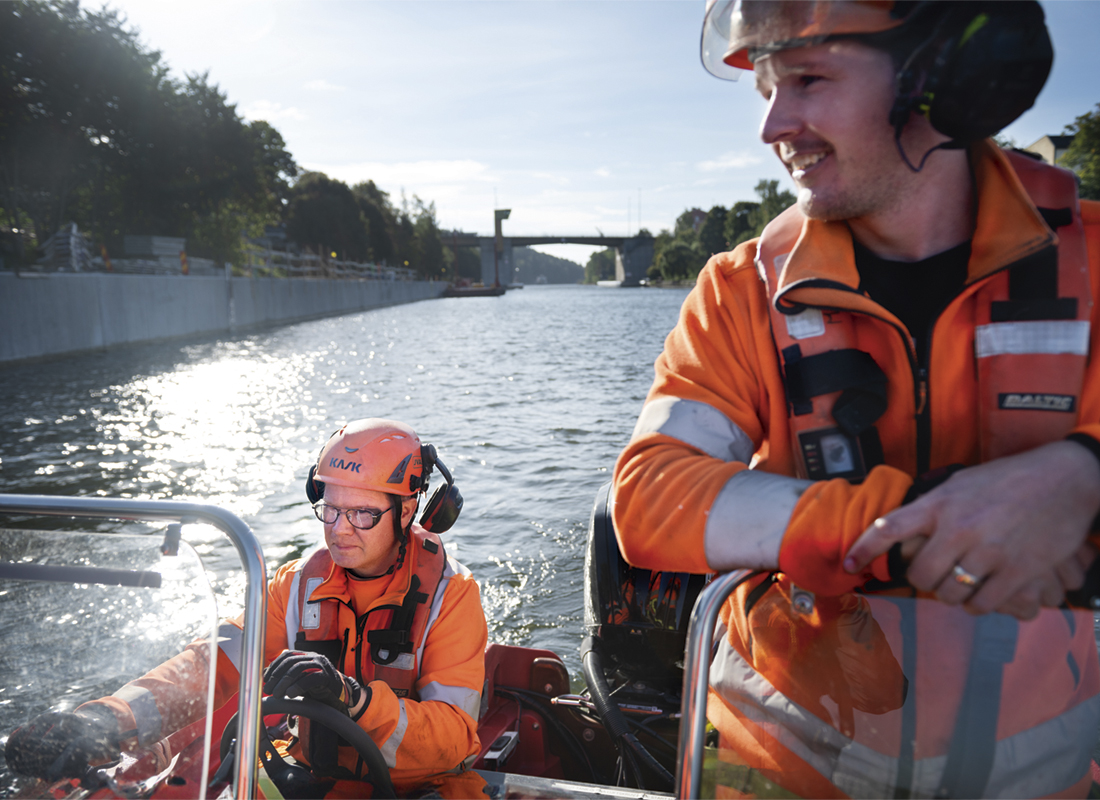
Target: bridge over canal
x,y
633,255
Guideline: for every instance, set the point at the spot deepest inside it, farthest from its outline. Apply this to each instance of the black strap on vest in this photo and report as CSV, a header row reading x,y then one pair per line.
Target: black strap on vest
x,y
396,639
852,372
974,742
1033,282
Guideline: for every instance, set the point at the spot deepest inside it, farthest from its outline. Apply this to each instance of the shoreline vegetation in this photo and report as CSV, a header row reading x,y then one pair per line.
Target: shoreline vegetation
x,y
94,131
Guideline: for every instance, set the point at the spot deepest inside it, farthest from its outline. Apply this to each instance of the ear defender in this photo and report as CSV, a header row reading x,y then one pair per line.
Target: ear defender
x,y
315,490
445,505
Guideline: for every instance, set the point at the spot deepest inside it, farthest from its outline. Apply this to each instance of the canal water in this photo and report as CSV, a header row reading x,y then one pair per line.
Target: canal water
x,y
528,398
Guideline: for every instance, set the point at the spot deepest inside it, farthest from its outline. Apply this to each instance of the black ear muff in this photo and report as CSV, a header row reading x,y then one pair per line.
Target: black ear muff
x,y
982,66
445,504
443,509
315,490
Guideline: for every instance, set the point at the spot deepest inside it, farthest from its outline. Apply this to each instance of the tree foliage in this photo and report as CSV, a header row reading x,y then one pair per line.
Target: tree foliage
x,y
93,130
680,254
1083,154
324,217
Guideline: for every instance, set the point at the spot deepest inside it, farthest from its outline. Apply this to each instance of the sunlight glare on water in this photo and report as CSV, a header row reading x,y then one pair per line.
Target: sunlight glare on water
x,y
528,398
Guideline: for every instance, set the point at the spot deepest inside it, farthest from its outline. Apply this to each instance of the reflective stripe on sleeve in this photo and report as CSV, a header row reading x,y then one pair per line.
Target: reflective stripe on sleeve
x,y
1050,337
696,424
146,714
229,641
292,611
463,697
746,523
390,746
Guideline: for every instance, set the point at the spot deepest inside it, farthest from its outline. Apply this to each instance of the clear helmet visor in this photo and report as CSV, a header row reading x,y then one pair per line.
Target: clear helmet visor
x,y
737,31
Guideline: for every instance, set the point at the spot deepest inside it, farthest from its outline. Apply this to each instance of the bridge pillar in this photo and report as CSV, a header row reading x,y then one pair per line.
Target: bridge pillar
x,y
633,259
507,262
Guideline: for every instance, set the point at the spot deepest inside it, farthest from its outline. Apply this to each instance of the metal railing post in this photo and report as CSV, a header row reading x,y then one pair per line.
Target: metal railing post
x,y
693,709
255,599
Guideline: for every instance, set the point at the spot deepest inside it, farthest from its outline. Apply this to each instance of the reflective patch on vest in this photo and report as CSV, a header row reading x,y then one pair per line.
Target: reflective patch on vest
x,y
403,661
806,324
1021,338
311,612
1029,401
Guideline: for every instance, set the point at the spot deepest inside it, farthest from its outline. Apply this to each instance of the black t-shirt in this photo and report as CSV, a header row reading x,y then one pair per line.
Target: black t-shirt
x,y
914,291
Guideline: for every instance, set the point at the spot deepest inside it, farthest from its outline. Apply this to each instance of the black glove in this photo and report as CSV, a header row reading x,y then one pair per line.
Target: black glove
x,y
298,674
59,744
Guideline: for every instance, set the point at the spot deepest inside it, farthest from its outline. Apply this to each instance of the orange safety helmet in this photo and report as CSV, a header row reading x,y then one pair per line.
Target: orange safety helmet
x,y
971,68
377,454
736,31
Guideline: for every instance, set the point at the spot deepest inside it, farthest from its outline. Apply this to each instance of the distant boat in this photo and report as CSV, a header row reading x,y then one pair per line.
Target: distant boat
x,y
515,285
473,290
610,284
540,280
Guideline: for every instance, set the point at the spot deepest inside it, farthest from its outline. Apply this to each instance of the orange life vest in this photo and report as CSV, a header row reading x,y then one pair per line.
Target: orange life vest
x,y
392,654
392,647
1030,338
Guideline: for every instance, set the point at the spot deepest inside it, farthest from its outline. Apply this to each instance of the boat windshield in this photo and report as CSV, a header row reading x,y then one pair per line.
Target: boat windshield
x,y
876,695
81,614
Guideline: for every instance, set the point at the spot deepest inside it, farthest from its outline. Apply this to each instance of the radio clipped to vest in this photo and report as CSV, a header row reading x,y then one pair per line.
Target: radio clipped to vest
x,y
835,391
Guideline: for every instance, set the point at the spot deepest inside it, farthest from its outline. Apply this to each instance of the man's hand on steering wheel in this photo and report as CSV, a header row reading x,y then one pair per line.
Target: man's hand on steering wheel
x,y
298,674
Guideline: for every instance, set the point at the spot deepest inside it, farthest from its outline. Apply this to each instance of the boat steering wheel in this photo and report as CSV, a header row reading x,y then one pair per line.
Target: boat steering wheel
x,y
377,771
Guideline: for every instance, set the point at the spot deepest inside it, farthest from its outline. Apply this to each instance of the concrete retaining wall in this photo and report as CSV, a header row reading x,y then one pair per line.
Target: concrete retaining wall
x,y
50,314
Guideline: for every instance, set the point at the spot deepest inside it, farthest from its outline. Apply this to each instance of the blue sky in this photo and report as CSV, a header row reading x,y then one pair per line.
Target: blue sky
x,y
572,114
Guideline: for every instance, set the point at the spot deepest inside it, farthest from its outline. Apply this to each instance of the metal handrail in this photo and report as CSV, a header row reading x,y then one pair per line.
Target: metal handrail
x,y
255,596
693,709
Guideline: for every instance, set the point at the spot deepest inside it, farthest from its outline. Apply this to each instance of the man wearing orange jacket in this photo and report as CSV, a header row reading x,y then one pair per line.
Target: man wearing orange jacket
x,y
891,390
379,623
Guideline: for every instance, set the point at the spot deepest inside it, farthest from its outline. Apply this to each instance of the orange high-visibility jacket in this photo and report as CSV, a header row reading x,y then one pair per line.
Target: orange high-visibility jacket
x,y
418,738
685,499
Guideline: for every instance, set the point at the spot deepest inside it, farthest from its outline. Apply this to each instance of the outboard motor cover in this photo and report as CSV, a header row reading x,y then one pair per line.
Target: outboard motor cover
x,y
640,615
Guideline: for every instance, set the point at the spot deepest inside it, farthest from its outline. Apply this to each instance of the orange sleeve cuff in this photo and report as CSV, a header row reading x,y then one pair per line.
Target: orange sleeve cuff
x,y
826,522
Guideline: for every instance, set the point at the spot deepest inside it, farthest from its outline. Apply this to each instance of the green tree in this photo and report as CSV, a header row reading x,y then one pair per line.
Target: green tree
x,y
678,261
712,233
323,215
381,220
1083,154
429,242
739,222
93,130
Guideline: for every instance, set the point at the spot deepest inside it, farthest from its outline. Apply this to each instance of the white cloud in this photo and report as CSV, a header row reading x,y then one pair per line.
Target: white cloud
x,y
413,175
603,172
271,111
728,161
321,85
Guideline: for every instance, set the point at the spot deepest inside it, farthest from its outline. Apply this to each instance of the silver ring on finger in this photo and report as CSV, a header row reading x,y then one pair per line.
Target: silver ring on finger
x,y
966,578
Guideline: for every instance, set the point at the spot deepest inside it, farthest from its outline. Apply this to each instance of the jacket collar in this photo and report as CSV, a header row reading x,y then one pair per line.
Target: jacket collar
x,y
821,269
340,586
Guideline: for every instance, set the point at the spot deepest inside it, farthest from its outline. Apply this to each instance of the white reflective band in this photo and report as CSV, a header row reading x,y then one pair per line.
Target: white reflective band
x,y
292,611
449,571
806,324
146,714
1039,761
389,747
463,697
229,640
696,424
311,612
1049,337
747,521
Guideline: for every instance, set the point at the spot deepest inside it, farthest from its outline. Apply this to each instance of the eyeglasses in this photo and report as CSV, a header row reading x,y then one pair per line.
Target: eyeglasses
x,y
362,518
